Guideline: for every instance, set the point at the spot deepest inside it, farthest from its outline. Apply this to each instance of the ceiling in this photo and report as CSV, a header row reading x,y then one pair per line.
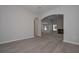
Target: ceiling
x,y
40,9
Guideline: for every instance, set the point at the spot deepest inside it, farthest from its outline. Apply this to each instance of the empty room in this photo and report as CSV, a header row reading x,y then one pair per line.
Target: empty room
x,y
39,29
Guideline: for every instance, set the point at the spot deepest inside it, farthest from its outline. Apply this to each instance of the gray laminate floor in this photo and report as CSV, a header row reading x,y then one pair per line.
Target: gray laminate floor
x,y
46,44
71,48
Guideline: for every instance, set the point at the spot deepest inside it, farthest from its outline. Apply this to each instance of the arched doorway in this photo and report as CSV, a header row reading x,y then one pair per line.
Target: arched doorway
x,y
53,25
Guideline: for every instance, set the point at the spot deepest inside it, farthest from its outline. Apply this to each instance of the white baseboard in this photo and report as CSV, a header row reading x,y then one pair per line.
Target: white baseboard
x,y
15,40
71,42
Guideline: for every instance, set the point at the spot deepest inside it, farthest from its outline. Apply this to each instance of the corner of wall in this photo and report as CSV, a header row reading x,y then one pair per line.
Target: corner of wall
x,y
71,42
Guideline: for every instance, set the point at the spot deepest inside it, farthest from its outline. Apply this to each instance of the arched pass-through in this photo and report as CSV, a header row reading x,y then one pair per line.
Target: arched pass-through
x,y
53,25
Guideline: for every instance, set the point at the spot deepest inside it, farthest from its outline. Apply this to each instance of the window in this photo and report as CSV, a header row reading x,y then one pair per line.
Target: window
x,y
54,27
45,28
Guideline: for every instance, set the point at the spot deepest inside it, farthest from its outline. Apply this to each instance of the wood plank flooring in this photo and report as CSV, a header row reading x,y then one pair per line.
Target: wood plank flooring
x,y
46,44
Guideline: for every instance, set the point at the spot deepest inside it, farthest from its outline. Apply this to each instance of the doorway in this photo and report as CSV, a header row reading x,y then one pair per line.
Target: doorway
x,y
35,27
53,25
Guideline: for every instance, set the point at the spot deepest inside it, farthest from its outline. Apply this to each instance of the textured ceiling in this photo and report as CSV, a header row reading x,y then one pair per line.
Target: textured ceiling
x,y
40,9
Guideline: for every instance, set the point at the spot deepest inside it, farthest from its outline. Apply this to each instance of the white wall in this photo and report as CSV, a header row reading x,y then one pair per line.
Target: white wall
x,y
71,25
15,23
